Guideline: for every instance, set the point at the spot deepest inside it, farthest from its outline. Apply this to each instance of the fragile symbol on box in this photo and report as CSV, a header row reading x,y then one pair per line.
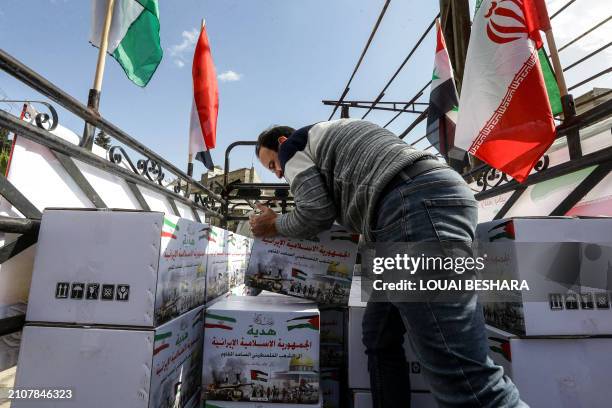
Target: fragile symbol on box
x,y
93,291
586,301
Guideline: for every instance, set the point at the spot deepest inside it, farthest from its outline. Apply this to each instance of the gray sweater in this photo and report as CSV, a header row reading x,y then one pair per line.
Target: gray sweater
x,y
336,171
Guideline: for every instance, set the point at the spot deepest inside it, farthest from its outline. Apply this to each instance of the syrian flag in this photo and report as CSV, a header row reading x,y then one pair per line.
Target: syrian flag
x,y
505,117
133,38
216,321
257,375
304,322
205,104
443,102
298,274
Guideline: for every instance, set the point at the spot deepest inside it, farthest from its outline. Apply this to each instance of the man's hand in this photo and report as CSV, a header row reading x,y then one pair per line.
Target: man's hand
x,y
263,225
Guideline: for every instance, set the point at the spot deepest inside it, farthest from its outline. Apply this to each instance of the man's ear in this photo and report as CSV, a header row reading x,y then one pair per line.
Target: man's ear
x,y
282,140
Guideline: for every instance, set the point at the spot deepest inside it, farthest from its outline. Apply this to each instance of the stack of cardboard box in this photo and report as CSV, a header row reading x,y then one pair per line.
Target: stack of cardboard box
x,y
261,351
555,339
115,310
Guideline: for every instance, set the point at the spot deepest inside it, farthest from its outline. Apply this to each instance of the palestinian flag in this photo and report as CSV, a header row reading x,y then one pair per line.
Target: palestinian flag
x,y
212,235
215,321
133,38
257,375
304,322
443,102
298,274
205,104
505,117
501,231
169,228
161,342
354,238
502,347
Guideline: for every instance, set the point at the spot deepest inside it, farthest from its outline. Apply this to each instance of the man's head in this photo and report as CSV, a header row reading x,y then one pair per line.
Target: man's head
x,y
268,143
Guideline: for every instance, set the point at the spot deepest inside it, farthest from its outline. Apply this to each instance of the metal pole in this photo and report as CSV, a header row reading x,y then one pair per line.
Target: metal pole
x,y
93,100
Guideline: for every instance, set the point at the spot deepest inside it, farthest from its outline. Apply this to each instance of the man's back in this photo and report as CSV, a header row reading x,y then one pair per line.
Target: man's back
x,y
337,171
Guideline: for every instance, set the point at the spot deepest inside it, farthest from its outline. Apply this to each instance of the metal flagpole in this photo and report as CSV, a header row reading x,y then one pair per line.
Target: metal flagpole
x,y
93,101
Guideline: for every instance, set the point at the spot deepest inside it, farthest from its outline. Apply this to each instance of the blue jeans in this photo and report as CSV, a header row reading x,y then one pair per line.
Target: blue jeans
x,y
449,339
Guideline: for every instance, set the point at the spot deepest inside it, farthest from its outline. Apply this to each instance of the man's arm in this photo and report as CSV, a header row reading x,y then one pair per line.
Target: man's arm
x,y
314,210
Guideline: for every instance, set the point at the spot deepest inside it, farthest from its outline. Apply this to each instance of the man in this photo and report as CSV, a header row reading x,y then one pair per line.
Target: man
x,y
371,182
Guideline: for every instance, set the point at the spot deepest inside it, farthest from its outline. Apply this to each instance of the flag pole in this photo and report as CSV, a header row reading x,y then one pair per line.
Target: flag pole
x,y
567,100
93,100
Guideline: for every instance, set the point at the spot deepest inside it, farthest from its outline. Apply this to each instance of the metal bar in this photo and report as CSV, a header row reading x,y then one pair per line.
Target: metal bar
x,y
258,186
365,49
174,207
414,124
585,119
37,82
139,197
11,324
510,202
19,225
597,51
78,177
51,141
600,156
585,33
433,22
360,106
196,216
18,200
583,188
378,98
20,244
412,101
589,79
561,9
352,102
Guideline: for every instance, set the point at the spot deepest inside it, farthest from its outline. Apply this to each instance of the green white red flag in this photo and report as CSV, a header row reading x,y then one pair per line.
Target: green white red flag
x,y
505,117
205,105
133,38
443,102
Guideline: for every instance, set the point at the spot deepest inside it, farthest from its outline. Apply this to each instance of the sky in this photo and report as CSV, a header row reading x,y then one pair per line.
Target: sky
x,y
275,59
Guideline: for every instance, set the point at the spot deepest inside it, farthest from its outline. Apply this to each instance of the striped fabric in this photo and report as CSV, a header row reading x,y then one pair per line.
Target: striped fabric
x,y
336,171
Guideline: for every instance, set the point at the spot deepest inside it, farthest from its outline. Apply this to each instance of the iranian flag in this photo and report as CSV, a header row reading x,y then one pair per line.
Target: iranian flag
x,y
443,102
303,322
161,342
133,38
505,117
217,321
205,104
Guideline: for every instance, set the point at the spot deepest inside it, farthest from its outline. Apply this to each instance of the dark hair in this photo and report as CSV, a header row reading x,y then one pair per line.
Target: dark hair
x,y
269,137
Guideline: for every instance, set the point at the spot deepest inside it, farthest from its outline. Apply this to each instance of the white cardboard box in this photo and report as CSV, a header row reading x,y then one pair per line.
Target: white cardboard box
x,y
116,267
555,372
363,399
540,250
319,270
239,250
226,404
358,375
217,276
114,367
261,343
